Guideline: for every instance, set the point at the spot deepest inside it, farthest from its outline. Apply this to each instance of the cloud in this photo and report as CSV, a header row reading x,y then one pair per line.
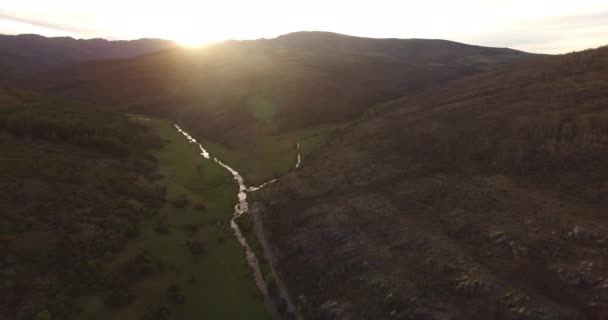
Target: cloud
x,y
551,35
544,26
47,23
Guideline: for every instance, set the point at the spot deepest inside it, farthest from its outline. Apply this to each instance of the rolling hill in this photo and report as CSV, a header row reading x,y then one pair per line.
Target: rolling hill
x,y
290,81
242,93
75,184
27,54
482,199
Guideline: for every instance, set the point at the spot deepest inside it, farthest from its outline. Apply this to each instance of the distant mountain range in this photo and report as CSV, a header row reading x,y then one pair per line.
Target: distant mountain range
x,y
23,55
298,79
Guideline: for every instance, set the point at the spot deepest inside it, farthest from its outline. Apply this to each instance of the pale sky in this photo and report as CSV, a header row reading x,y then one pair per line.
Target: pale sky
x,y
543,26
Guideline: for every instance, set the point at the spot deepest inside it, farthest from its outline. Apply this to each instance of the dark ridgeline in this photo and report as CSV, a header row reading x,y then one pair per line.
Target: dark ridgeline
x,y
483,199
304,78
27,54
435,51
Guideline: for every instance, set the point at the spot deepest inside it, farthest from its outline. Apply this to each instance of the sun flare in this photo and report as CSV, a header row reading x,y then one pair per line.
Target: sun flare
x,y
190,41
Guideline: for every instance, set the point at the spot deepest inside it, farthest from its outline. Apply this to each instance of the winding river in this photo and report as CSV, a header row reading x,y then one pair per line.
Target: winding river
x,y
241,208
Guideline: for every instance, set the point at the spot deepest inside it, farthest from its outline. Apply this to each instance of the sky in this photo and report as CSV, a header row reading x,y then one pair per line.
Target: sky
x,y
542,26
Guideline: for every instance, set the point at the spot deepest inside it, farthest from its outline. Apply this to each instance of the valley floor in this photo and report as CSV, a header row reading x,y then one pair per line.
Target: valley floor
x,y
271,154
201,270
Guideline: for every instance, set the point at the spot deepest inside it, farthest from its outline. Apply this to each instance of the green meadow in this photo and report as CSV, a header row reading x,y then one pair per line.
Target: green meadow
x,y
196,268
272,154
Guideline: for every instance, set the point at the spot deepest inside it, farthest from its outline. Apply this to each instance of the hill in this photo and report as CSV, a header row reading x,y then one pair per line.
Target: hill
x,y
425,51
482,199
27,54
74,184
239,93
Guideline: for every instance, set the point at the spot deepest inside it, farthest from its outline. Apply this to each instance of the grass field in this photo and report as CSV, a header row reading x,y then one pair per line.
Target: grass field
x,y
272,154
215,282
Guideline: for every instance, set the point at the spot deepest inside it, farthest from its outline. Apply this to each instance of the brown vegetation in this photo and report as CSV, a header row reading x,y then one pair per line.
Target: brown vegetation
x,y
484,199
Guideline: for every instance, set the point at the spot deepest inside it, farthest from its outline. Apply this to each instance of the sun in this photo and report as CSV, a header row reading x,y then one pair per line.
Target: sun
x,y
190,42
194,37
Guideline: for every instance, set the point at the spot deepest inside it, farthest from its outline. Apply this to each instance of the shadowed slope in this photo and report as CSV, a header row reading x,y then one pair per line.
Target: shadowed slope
x,y
27,54
237,90
485,199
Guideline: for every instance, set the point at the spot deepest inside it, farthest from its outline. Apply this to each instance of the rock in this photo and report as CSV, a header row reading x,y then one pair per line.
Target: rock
x,y
579,232
590,251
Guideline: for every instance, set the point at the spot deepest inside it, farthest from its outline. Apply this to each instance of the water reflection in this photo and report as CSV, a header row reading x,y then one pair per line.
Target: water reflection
x,y
240,208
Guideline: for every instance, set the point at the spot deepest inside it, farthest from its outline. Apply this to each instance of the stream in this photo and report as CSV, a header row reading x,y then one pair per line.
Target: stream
x,y
241,208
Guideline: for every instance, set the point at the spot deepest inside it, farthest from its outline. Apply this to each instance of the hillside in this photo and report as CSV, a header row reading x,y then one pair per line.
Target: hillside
x,y
240,93
27,54
74,184
483,199
106,216
426,51
290,81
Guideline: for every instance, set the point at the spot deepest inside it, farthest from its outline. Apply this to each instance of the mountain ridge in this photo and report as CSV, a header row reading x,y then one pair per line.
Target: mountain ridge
x,y
28,54
299,82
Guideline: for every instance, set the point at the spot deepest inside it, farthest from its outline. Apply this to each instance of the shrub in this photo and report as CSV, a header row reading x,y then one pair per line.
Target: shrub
x,y
119,297
161,313
181,202
43,315
196,247
175,295
162,224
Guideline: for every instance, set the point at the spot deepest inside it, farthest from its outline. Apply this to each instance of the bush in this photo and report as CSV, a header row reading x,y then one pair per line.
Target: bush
x,y
196,247
43,315
175,295
161,313
139,266
119,297
132,230
181,202
162,224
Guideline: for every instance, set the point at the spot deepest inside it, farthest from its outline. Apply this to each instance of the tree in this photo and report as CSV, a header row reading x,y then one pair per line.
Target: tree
x,y
43,315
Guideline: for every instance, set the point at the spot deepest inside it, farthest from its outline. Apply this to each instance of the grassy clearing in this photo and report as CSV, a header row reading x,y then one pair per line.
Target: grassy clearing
x,y
271,154
214,283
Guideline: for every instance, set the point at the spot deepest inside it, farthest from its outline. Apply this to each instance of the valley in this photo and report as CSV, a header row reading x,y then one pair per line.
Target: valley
x,y
251,97
309,176
181,258
191,237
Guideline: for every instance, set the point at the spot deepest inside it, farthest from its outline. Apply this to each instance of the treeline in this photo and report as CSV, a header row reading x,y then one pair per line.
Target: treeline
x,y
65,122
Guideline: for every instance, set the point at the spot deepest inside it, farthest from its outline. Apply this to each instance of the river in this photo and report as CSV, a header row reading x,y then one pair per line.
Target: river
x,y
241,207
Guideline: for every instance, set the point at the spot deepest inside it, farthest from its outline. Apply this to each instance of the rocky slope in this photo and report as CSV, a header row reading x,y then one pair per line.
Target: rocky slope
x,y
484,199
